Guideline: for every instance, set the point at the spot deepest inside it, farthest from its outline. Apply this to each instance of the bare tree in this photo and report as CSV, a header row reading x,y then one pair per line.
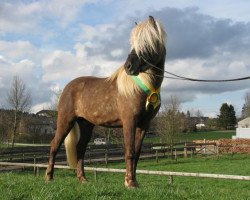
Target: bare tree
x,y
54,102
19,100
55,98
246,106
4,125
170,122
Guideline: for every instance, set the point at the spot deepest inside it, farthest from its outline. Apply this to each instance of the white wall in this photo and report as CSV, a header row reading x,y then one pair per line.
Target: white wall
x,y
242,133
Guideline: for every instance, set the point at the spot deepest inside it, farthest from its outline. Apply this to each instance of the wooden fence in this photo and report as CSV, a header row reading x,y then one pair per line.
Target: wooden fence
x,y
148,172
109,153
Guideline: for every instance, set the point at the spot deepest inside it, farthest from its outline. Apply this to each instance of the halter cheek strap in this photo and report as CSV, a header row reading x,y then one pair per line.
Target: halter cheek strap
x,y
153,94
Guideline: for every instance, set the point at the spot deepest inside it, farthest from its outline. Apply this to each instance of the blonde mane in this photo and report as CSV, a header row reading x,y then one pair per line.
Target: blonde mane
x,y
125,84
149,37
146,37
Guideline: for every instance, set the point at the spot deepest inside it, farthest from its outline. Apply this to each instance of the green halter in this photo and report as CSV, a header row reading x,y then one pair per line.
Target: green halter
x,y
153,94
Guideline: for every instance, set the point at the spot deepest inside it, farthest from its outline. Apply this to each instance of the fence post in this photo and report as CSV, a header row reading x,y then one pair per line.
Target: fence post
x,y
171,180
164,150
95,175
23,161
233,149
175,154
35,168
185,150
204,150
106,157
217,151
89,155
156,156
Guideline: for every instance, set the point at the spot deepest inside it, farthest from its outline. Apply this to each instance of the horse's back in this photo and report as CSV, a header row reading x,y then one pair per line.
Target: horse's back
x,y
92,98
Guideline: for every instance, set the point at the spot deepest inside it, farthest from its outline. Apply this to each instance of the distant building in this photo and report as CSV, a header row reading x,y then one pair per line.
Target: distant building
x,y
245,123
200,126
43,122
243,130
47,113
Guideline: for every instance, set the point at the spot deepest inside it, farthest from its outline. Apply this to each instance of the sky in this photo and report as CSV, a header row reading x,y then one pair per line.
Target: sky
x,y
48,43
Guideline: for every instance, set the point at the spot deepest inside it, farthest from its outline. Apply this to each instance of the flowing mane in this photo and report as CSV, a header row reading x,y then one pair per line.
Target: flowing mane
x,y
146,37
125,84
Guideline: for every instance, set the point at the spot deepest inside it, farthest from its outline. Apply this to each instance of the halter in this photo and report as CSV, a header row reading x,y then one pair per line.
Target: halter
x,y
153,94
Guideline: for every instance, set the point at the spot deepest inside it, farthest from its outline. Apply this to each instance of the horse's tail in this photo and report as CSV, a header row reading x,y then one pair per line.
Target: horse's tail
x,y
70,143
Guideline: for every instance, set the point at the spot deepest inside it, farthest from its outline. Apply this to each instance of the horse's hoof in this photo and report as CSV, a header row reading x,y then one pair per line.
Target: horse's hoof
x,y
131,184
48,179
82,180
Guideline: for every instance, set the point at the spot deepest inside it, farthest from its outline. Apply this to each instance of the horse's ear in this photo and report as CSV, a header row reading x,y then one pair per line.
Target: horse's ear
x,y
152,20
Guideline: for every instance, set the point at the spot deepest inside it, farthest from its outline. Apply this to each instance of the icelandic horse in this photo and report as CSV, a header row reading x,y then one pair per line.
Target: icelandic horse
x,y
129,98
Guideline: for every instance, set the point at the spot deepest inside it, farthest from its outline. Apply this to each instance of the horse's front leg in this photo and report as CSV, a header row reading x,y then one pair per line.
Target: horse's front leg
x,y
129,142
139,136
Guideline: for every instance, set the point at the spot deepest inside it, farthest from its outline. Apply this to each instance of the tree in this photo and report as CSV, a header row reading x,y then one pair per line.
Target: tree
x,y
227,118
246,107
19,100
54,103
4,125
170,122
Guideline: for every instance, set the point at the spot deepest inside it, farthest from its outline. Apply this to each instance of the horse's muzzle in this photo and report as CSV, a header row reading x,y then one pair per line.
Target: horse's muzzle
x,y
130,70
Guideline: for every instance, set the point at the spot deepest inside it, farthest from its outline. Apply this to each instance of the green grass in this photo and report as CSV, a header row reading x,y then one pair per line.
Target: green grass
x,y
200,135
23,185
208,135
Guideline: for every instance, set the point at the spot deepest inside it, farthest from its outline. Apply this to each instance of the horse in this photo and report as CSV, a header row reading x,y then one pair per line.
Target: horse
x,y
129,98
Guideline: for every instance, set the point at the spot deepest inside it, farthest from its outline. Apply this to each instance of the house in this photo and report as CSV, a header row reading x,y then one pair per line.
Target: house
x,y
200,126
42,123
245,123
243,130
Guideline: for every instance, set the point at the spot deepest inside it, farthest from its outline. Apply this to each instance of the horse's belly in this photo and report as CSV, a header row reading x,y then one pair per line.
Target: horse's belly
x,y
99,112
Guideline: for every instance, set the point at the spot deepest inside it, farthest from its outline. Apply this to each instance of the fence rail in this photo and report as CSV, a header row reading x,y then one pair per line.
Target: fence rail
x,y
149,172
113,152
26,154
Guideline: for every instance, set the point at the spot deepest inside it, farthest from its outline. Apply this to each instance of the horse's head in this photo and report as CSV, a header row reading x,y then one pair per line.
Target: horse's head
x,y
147,40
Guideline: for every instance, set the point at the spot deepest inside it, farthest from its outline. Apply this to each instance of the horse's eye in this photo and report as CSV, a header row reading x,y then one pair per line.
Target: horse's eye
x,y
136,23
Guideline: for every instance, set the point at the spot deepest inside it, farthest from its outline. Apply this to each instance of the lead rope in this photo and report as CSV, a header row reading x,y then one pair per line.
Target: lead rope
x,y
178,77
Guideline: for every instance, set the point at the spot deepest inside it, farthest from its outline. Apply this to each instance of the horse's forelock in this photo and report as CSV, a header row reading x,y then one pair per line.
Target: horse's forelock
x,y
148,36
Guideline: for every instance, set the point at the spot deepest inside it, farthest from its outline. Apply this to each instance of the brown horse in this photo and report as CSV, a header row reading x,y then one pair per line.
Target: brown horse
x,y
129,98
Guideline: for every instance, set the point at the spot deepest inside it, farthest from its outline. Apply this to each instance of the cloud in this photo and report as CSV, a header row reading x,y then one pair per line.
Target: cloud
x,y
26,70
19,50
192,34
199,46
26,17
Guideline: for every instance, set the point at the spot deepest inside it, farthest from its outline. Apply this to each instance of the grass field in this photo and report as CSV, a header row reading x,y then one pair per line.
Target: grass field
x,y
200,135
208,135
23,185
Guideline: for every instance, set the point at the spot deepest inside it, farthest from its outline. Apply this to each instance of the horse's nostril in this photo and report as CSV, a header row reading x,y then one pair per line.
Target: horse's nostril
x,y
129,66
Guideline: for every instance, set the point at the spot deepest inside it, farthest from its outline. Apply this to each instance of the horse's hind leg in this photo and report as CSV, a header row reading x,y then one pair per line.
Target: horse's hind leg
x,y
64,125
85,136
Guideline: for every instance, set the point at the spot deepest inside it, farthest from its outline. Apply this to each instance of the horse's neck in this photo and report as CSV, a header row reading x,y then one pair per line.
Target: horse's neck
x,y
158,74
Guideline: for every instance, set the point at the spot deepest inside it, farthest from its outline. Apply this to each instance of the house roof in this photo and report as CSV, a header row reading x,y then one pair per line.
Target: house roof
x,y
47,113
244,122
